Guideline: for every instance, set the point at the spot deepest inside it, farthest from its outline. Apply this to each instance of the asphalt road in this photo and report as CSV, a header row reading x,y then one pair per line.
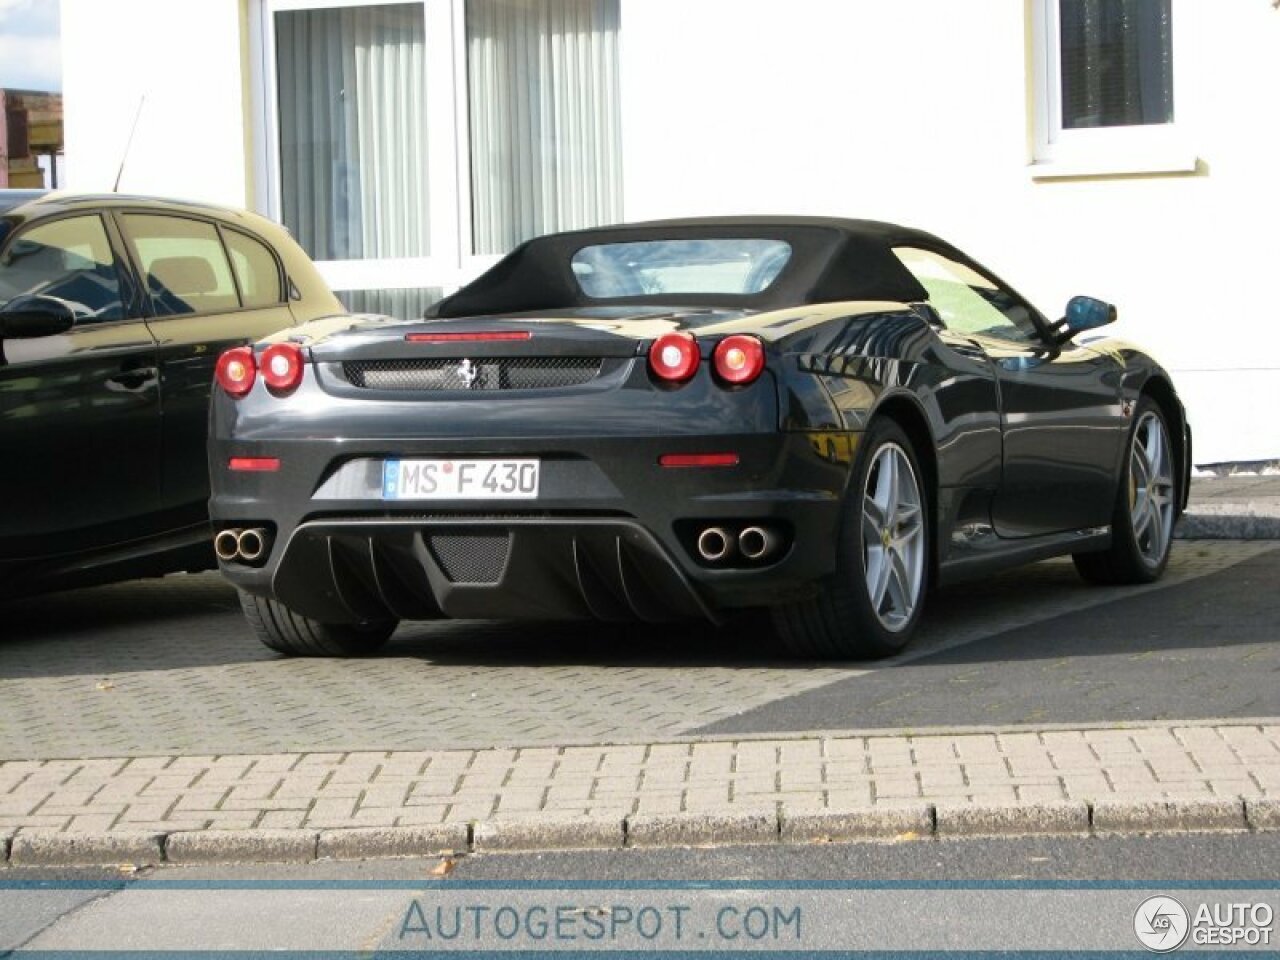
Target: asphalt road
x,y
1206,649
361,906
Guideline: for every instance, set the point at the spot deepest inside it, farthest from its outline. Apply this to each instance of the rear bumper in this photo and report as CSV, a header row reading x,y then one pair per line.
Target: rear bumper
x,y
612,535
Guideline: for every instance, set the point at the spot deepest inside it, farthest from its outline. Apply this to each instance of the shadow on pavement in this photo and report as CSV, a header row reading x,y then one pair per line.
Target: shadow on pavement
x,y
1205,649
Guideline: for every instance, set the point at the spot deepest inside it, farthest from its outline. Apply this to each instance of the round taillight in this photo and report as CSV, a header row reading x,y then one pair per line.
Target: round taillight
x,y
281,365
235,372
738,359
674,357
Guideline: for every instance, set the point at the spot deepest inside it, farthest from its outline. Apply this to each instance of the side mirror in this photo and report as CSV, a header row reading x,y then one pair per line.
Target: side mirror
x,y
1083,313
30,316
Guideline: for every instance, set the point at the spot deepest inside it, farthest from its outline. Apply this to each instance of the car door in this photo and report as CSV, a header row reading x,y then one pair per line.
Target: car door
x,y
1061,418
208,286
80,410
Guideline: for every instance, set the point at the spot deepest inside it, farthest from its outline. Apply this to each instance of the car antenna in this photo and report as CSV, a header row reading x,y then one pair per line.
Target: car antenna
x,y
129,143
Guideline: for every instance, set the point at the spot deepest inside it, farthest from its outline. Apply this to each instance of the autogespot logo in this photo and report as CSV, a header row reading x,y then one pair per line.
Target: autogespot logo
x,y
1161,924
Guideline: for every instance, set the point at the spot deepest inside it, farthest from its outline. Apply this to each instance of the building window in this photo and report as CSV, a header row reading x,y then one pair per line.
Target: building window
x,y
410,144
353,130
545,137
1105,83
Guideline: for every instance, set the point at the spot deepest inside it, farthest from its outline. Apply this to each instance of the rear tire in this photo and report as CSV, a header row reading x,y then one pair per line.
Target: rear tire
x,y
871,607
284,631
1145,509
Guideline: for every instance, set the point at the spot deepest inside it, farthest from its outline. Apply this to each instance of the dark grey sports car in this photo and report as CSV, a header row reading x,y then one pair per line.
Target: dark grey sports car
x,y
683,419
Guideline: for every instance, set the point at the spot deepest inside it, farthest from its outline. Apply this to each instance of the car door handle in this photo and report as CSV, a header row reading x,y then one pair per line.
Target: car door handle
x,y
133,380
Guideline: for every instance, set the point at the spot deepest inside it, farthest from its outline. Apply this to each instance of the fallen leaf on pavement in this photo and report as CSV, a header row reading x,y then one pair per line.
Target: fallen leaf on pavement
x,y
444,867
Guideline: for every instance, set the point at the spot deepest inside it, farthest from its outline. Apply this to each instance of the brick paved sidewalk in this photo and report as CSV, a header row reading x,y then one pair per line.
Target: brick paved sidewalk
x,y
1225,775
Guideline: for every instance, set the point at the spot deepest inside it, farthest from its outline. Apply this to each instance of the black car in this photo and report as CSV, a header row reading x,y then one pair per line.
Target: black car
x,y
684,419
113,311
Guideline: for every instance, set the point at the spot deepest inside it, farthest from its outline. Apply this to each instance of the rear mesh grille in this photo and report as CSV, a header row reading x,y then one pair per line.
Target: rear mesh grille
x,y
471,557
494,373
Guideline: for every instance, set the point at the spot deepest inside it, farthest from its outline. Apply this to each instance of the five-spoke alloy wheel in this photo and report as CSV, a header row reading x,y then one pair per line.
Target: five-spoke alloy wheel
x,y
871,606
1145,510
893,537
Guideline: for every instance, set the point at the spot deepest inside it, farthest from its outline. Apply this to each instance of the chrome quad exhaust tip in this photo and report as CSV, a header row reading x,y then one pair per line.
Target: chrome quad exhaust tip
x,y
252,544
715,544
226,544
758,543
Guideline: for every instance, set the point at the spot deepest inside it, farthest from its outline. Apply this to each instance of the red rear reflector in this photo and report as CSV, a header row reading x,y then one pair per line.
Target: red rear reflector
x,y
478,335
698,460
255,464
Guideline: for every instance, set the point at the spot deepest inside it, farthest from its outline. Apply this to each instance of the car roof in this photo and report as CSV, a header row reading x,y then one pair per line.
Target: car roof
x,y
833,260
16,198
36,203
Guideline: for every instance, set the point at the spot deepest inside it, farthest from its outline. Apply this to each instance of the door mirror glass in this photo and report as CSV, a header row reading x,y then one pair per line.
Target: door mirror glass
x,y
35,316
1086,313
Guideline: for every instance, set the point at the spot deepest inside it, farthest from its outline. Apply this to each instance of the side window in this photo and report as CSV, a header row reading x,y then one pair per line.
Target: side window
x,y
69,259
256,269
967,301
183,264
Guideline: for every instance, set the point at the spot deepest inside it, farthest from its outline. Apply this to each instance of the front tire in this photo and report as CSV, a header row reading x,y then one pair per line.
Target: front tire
x,y
284,631
871,607
1145,510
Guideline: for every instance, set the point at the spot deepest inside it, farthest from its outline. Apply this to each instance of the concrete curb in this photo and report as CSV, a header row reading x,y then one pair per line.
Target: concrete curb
x,y
386,843
43,848
1160,816
242,846
910,821
1228,521
1263,814
981,820
702,829
857,823
549,833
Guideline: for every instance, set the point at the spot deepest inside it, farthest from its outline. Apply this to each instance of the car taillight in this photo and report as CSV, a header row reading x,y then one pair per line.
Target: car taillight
x,y
236,372
738,359
282,367
674,357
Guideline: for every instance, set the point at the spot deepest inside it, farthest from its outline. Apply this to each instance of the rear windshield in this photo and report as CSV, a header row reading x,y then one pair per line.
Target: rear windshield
x,y
654,267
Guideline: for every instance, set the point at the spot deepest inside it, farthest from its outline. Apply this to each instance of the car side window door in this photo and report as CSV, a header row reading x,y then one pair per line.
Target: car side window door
x,y
258,274
968,302
183,264
69,260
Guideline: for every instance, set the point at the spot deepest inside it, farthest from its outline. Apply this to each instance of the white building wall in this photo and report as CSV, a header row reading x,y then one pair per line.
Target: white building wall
x,y
917,111
186,58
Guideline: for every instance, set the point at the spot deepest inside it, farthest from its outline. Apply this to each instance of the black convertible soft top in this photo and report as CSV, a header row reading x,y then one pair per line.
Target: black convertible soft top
x,y
832,260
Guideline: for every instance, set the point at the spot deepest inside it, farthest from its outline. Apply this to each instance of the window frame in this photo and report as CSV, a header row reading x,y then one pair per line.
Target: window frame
x,y
1118,150
1039,335
131,299
451,262
119,215
282,279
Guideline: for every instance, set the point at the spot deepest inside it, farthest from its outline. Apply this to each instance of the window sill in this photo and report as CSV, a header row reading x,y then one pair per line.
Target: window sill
x,y
1142,164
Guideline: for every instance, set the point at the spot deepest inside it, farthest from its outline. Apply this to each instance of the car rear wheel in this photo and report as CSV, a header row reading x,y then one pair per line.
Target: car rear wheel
x,y
287,632
1145,510
872,605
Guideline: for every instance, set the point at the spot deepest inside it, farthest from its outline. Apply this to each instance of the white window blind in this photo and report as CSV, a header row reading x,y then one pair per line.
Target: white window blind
x,y
545,132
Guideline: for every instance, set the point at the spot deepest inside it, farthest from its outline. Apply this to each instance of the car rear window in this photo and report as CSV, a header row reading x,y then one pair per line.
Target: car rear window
x,y
646,268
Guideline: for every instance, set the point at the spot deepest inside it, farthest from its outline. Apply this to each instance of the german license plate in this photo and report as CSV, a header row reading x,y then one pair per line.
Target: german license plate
x,y
460,479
